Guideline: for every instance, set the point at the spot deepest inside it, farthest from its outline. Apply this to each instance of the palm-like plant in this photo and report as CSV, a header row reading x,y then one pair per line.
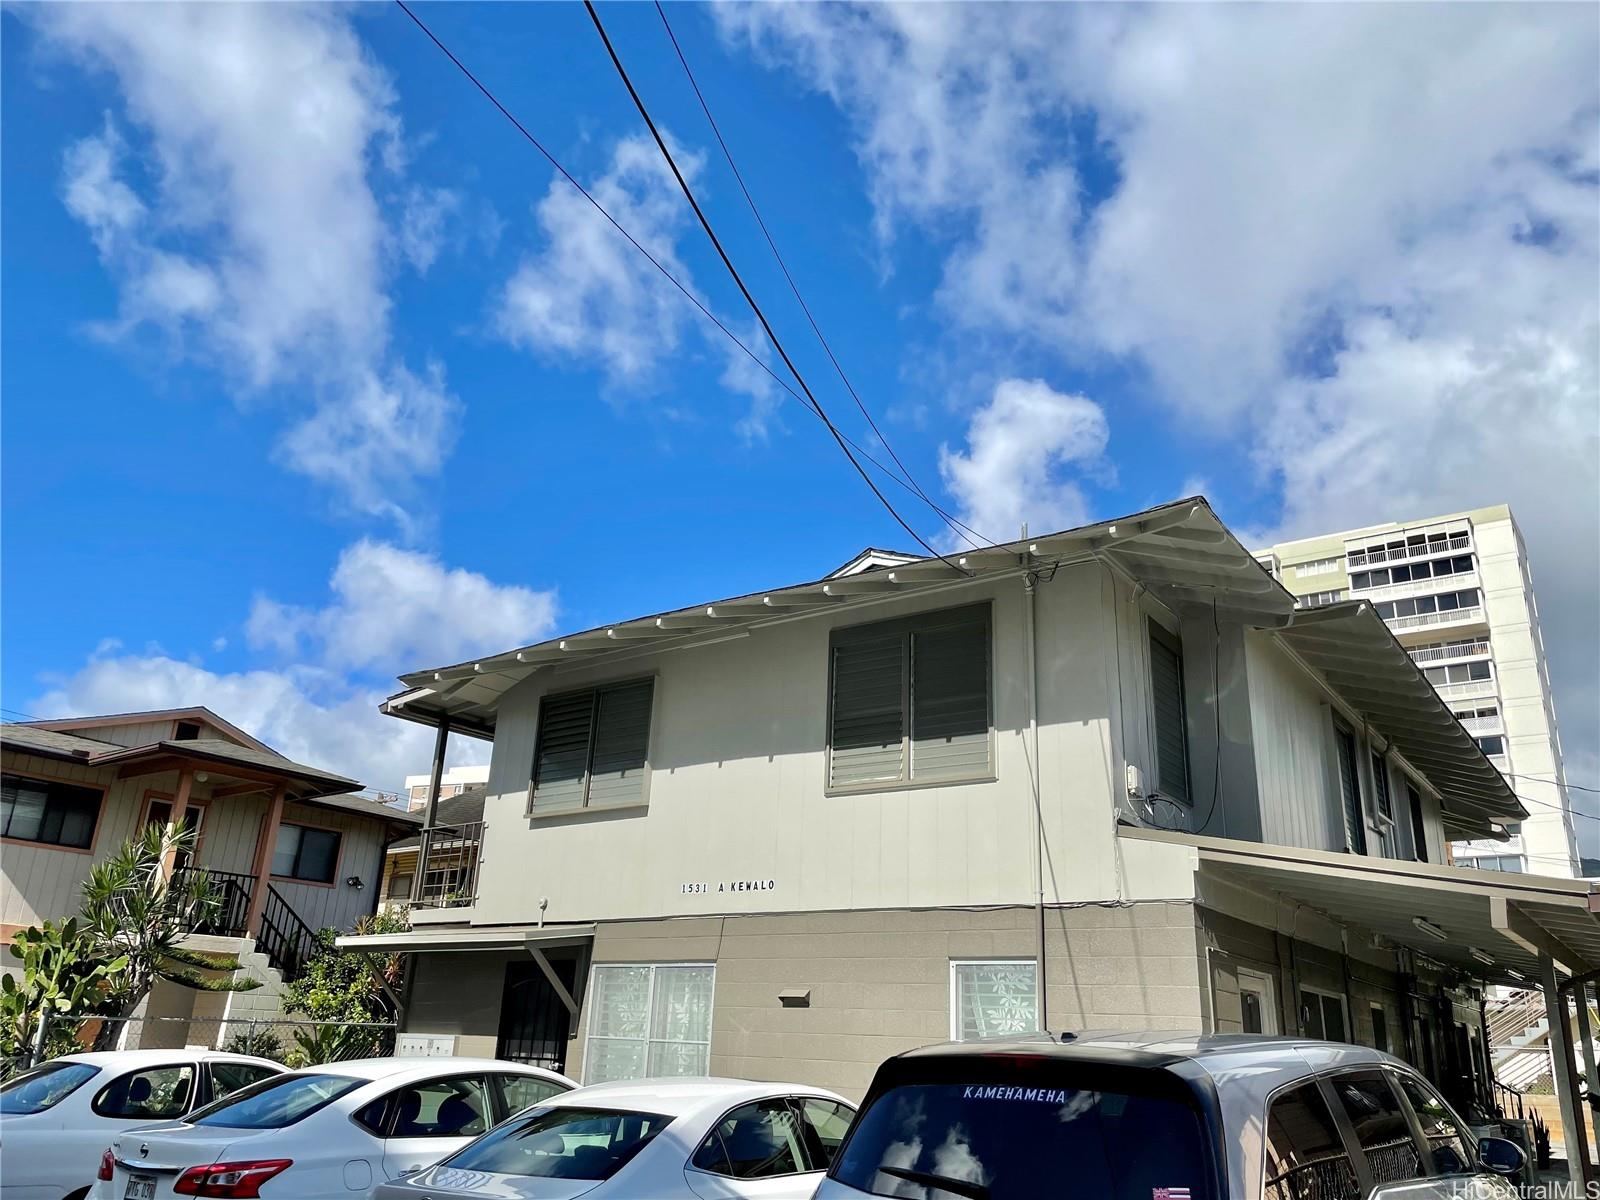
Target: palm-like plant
x,y
140,912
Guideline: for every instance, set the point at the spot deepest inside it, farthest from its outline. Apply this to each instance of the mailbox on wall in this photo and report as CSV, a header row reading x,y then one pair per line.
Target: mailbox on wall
x,y
424,1045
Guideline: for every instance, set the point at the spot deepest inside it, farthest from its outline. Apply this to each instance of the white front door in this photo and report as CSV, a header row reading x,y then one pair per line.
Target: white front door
x,y
1258,1002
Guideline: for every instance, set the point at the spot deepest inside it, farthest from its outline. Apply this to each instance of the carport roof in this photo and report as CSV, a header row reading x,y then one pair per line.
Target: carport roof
x,y
1507,918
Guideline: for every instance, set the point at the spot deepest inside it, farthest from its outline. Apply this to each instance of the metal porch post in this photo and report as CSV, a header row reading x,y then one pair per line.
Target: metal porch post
x,y
435,782
1564,1075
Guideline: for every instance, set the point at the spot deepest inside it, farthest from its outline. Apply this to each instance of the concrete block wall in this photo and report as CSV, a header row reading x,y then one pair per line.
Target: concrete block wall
x,y
880,980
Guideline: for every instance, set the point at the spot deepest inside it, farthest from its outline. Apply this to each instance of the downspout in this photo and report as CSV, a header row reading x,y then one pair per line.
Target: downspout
x,y
1030,583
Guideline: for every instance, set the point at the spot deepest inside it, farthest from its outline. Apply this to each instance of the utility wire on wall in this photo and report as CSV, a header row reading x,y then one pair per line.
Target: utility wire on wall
x,y
847,444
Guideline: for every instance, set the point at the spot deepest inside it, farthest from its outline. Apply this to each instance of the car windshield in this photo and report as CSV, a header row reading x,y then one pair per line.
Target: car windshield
x,y
47,1084
276,1102
1019,1139
562,1143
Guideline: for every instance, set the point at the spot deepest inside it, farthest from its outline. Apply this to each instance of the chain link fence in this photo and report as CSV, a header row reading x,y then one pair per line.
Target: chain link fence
x,y
296,1043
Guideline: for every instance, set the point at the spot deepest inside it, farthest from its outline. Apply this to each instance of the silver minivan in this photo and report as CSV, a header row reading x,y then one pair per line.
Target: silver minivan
x,y
1161,1116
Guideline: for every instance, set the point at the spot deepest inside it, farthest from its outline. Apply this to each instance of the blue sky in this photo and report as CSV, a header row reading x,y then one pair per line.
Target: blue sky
x,y
314,373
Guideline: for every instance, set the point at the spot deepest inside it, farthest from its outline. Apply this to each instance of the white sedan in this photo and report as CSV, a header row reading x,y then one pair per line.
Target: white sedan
x,y
57,1118
324,1133
667,1139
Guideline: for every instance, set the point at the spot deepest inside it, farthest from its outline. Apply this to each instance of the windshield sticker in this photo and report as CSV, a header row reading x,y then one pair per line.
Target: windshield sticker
x,y
1033,1095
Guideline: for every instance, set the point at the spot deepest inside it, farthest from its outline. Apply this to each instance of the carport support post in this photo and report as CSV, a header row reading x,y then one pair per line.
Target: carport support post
x,y
1564,1076
441,743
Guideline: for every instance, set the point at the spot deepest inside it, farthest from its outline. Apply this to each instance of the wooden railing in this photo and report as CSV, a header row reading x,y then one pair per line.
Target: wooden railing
x,y
286,940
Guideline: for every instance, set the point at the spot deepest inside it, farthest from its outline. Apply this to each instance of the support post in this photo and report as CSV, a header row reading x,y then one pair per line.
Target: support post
x,y
1564,1076
441,743
1580,996
180,810
550,975
266,843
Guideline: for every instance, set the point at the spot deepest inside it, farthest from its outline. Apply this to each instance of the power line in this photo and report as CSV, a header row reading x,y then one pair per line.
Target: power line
x,y
1576,787
656,263
964,530
733,271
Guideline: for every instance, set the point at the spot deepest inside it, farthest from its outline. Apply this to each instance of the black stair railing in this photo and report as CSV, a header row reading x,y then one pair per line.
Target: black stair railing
x,y
286,940
233,890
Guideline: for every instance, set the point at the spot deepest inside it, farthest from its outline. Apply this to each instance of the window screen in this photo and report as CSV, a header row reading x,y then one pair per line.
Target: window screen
x,y
40,810
307,853
1306,1158
1166,692
1322,1015
649,1020
992,998
1380,1125
593,747
909,700
1380,787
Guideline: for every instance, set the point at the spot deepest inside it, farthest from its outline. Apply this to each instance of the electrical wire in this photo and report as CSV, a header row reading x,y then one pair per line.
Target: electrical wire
x,y
964,530
761,317
671,278
1576,787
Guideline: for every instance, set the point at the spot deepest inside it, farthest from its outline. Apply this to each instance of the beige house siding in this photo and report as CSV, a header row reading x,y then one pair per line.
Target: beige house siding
x,y
39,882
337,905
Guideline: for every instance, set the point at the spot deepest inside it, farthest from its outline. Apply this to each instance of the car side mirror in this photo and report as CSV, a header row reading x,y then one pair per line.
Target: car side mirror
x,y
1500,1155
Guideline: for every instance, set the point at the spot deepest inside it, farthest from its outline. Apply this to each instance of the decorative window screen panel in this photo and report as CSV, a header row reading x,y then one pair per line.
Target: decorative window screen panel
x,y
1166,691
593,747
994,998
910,701
649,1020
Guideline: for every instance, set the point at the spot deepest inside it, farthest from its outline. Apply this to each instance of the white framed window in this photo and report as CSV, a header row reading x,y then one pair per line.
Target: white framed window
x,y
648,1020
1318,566
993,996
1258,1002
1324,1014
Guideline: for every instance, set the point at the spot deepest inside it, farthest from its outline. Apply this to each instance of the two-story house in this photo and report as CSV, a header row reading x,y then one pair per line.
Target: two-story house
x,y
290,848
1107,777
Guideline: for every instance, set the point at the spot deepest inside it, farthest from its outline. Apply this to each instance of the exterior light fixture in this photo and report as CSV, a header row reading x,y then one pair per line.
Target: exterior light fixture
x,y
355,881
1428,927
1486,959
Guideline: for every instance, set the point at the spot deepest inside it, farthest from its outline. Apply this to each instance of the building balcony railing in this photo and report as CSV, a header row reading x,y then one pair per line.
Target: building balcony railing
x,y
1483,726
233,891
1373,557
1430,654
449,865
1454,616
1417,587
1500,763
1472,689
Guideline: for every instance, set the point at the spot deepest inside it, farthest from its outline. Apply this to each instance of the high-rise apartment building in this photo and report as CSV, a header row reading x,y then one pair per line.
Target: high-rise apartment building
x,y
1458,594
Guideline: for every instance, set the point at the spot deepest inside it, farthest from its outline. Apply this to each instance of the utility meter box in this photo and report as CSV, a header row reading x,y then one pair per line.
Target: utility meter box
x,y
424,1045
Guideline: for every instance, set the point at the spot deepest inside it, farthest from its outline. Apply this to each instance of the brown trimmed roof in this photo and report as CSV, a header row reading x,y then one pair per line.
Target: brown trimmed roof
x,y
199,713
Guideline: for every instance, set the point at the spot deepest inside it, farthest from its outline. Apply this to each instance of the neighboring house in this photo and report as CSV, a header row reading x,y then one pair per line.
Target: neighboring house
x,y
1457,591
289,846
1106,777
454,840
452,783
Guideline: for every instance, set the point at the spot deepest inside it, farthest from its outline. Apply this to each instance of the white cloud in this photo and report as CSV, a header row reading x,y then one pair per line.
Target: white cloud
x,y
588,296
300,713
1359,241
389,610
400,610
424,216
1017,446
247,228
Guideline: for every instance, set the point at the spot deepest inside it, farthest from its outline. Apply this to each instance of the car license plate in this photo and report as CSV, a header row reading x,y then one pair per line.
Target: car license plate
x,y
140,1187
